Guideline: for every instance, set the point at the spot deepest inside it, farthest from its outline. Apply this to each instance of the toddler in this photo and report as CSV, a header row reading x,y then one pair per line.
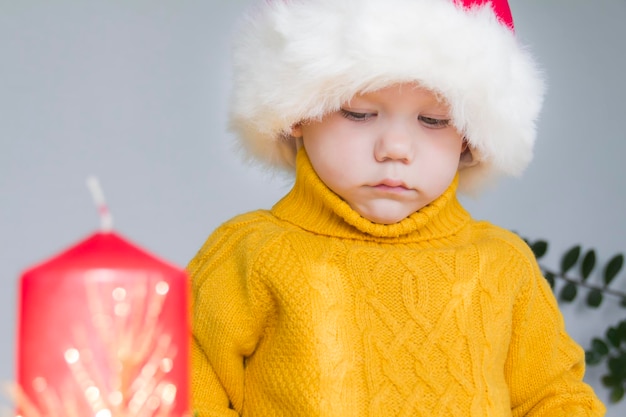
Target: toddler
x,y
368,290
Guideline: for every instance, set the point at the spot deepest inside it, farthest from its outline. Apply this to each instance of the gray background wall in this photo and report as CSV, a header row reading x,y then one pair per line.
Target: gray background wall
x,y
135,91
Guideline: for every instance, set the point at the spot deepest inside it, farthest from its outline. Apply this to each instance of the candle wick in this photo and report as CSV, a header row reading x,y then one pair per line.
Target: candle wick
x,y
106,220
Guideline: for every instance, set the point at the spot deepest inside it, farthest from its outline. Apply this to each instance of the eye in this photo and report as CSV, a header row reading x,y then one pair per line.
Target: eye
x,y
434,123
356,116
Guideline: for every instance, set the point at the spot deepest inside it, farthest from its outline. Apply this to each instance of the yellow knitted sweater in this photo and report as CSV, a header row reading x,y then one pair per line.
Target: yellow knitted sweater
x,y
311,310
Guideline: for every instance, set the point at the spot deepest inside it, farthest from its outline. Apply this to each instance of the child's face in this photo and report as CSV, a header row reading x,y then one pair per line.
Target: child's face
x,y
387,153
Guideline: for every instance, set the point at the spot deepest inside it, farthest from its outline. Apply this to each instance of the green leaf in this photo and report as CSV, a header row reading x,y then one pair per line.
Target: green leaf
x,y
621,330
569,259
610,381
623,302
549,276
594,298
617,393
592,358
539,248
599,346
613,336
617,366
589,262
569,292
612,268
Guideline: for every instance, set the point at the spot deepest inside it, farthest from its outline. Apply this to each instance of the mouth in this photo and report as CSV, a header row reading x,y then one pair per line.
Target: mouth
x,y
393,186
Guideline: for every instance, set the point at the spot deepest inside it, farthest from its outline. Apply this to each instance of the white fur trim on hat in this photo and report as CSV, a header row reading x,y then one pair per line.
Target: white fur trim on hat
x,y
300,59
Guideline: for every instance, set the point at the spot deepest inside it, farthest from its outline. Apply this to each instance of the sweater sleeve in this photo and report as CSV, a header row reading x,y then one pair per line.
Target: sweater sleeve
x,y
225,327
545,366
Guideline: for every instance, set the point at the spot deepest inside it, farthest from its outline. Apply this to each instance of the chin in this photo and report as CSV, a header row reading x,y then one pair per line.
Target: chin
x,y
386,213
386,219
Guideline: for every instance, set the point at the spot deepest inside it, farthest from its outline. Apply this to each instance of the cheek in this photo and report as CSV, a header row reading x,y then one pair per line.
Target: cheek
x,y
323,156
335,171
335,148
448,150
335,165
443,159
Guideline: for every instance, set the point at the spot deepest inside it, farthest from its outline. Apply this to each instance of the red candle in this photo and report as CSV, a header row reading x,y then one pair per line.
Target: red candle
x,y
103,331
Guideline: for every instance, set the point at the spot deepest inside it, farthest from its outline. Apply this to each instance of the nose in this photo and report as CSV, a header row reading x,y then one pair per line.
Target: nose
x,y
394,143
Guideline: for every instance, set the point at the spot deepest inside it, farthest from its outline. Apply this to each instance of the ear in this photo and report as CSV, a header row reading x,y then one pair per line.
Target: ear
x,y
296,130
467,158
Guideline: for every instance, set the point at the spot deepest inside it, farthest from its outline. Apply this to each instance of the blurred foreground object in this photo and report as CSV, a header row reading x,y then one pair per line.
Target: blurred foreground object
x,y
103,331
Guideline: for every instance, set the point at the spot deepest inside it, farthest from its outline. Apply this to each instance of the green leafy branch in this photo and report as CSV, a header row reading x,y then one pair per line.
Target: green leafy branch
x,y
611,347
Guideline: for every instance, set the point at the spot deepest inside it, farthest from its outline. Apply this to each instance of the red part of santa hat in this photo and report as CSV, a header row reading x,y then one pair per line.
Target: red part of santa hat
x,y
295,60
500,7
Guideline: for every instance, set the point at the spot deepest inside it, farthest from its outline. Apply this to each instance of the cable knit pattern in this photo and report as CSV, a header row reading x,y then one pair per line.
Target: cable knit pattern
x,y
311,310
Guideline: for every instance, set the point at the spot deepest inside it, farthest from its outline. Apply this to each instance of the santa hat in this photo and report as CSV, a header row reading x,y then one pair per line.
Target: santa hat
x,y
300,59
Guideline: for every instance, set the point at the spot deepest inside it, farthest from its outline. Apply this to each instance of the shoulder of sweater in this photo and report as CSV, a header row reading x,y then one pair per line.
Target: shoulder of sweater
x,y
248,230
522,265
235,245
249,222
491,233
249,219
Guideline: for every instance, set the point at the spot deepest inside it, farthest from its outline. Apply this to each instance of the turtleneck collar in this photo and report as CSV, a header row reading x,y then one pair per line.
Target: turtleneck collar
x,y
312,206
